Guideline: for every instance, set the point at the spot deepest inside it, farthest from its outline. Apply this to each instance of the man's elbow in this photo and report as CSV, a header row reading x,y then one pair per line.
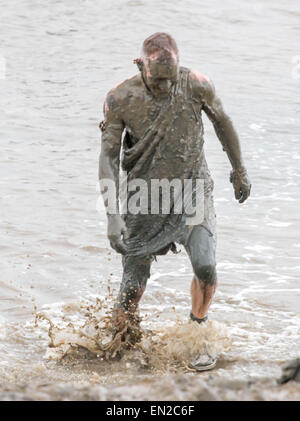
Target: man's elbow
x,y
222,121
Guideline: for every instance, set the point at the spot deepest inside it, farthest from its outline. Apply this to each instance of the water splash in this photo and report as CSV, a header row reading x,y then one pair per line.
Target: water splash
x,y
166,348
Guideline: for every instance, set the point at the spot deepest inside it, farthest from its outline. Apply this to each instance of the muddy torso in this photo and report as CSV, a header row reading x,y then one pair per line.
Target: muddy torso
x,y
184,140
140,108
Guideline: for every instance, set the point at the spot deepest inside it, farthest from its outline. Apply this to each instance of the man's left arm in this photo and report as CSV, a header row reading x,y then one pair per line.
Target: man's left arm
x,y
226,134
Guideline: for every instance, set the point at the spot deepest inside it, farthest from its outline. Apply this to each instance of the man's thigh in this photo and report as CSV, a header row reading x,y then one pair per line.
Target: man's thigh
x,y
201,249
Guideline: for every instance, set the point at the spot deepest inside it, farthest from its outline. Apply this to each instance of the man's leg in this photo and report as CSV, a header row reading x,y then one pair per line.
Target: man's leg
x,y
201,250
201,247
136,272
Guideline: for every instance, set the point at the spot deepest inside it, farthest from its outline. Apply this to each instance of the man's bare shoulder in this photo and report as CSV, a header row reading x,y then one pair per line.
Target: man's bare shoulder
x,y
202,86
118,95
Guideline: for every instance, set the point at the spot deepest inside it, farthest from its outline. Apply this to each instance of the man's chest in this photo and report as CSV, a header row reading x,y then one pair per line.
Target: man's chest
x,y
142,111
139,113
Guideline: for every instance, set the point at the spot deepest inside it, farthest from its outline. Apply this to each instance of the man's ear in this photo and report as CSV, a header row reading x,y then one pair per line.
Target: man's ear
x,y
139,62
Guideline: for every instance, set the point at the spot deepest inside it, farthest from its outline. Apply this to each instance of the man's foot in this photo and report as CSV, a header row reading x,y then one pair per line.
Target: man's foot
x,y
128,324
203,362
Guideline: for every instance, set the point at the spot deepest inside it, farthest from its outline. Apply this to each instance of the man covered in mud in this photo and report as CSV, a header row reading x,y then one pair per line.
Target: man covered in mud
x,y
153,130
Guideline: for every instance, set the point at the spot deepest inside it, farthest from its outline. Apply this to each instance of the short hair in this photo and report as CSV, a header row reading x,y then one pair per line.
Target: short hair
x,y
162,43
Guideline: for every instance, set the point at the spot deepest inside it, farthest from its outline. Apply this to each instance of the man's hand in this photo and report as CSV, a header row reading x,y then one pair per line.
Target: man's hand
x,y
241,184
116,231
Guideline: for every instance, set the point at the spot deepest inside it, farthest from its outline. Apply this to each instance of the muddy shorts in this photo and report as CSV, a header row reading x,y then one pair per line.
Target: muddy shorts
x,y
200,245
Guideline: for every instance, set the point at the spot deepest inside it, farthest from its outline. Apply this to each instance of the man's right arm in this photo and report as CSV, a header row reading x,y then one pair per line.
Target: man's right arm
x,y
112,128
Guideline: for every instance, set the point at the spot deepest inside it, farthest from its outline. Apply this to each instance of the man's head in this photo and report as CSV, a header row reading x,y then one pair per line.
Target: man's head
x,y
160,63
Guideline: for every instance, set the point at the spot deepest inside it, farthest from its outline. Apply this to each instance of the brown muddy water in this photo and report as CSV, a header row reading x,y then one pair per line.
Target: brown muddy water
x,y
57,62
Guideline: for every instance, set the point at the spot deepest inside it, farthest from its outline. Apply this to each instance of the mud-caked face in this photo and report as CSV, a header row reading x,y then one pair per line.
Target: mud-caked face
x,y
160,75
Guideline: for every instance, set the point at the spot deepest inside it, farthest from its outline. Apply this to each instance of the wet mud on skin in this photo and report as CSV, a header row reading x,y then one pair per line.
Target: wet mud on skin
x,y
163,140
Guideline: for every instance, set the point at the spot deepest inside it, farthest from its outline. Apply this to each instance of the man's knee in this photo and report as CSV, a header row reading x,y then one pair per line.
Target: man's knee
x,y
206,273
